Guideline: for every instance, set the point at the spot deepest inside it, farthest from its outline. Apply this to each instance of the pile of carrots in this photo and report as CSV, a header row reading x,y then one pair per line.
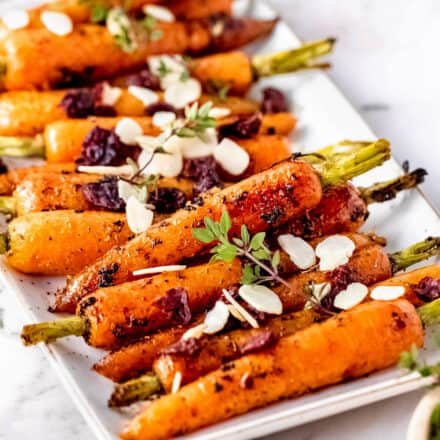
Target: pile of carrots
x,y
149,295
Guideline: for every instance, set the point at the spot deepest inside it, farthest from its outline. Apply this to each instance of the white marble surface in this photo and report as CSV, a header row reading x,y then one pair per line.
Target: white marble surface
x,y
386,62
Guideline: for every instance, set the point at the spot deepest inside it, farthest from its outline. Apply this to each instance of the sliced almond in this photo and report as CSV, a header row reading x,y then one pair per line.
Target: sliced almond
x,y
57,22
353,295
139,217
128,130
160,13
159,269
123,170
244,313
16,19
334,251
194,332
387,293
127,190
217,318
163,119
299,251
110,95
219,112
143,94
177,381
164,164
182,93
193,147
261,298
231,157
235,313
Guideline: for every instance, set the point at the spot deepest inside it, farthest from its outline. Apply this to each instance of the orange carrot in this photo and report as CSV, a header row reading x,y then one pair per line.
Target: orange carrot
x,y
293,367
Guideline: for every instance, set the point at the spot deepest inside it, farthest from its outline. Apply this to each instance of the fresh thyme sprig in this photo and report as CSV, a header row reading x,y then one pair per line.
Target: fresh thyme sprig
x,y
98,10
197,120
262,266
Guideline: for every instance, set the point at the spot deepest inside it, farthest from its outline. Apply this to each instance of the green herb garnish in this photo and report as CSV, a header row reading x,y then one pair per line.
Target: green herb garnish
x,y
149,25
218,87
197,120
262,264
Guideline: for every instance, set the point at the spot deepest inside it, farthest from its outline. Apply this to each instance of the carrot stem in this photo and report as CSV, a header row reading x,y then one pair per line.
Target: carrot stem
x,y
292,60
135,390
21,146
51,331
339,163
7,205
415,253
384,191
430,313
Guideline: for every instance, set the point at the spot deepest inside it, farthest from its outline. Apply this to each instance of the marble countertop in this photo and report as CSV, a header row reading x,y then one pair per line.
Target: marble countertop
x,y
386,64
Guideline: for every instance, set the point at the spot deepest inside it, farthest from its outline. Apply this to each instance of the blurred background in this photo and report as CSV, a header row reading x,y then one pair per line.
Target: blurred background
x,y
386,63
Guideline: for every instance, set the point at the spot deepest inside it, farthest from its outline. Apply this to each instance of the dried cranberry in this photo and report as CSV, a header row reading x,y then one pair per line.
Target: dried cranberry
x,y
103,147
246,126
428,289
167,200
204,171
3,167
260,341
184,347
144,78
175,305
341,277
104,194
274,101
79,103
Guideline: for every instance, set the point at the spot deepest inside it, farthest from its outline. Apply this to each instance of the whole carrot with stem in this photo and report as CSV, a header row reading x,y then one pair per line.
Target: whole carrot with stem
x,y
292,367
110,317
62,141
263,201
342,209
38,59
213,351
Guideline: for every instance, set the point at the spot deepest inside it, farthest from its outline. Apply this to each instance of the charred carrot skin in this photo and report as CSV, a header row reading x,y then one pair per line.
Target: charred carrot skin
x,y
262,201
376,332
342,209
38,59
35,249
10,180
111,312
63,139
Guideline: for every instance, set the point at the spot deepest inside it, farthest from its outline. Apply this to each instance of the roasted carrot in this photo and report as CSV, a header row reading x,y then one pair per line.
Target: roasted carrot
x,y
211,351
369,332
10,180
111,317
57,191
63,139
80,12
37,240
132,360
37,58
26,113
329,223
263,201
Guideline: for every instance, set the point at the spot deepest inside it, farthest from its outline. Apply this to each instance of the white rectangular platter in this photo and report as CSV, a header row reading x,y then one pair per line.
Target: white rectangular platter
x,y
324,117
